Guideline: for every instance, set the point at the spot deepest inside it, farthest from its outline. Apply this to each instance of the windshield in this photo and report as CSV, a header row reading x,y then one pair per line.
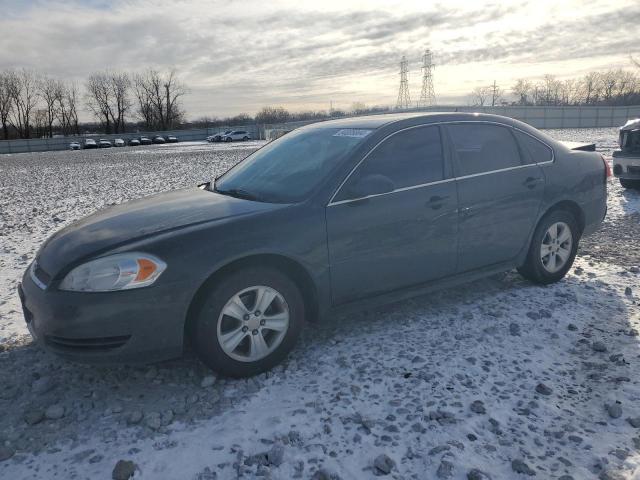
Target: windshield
x,y
289,168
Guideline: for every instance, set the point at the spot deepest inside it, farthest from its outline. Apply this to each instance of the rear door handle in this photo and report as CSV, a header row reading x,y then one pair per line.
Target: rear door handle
x,y
531,182
437,201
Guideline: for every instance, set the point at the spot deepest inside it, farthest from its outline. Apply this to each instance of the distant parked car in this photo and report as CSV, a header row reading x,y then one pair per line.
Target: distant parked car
x,y
118,142
145,141
217,137
159,139
134,142
626,161
75,146
391,206
90,143
236,135
171,139
103,143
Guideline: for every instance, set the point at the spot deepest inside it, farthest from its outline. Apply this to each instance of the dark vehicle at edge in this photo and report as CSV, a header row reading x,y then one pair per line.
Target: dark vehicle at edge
x,y
332,216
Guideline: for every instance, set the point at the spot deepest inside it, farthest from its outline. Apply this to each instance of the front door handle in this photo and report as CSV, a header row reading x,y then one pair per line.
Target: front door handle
x,y
530,182
436,201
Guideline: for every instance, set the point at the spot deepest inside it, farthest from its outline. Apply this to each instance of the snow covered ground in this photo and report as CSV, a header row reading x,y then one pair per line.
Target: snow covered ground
x,y
501,378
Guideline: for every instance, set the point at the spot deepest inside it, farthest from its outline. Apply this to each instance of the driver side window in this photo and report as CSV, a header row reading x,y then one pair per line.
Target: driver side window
x,y
408,158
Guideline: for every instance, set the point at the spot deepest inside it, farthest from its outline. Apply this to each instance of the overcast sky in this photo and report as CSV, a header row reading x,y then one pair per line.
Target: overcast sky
x,y
236,56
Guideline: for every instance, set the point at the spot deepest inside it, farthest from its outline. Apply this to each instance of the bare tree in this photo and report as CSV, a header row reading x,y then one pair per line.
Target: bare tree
x,y
5,103
523,91
479,96
272,115
66,101
590,88
144,108
23,92
496,94
161,93
120,85
99,98
49,90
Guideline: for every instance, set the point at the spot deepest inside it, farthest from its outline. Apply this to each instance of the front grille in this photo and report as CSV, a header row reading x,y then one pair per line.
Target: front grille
x,y
98,344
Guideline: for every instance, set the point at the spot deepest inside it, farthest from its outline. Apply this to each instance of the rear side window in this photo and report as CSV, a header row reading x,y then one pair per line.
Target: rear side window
x,y
483,148
408,158
533,149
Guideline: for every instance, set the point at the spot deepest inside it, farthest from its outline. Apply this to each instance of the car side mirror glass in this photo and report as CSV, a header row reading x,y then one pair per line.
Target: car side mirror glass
x,y
371,184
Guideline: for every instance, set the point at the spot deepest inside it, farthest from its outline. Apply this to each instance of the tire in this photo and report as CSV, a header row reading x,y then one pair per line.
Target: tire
x,y
212,323
626,183
244,139
228,139
547,269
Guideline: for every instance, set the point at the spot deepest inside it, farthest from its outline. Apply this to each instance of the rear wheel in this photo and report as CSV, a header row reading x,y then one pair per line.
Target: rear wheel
x,y
626,183
553,248
249,322
245,139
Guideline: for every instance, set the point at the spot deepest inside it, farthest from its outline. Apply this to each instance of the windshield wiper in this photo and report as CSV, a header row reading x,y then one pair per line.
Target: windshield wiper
x,y
239,193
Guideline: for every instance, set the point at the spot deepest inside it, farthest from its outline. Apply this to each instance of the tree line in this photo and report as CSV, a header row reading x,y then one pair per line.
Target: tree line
x,y
37,105
607,88
270,115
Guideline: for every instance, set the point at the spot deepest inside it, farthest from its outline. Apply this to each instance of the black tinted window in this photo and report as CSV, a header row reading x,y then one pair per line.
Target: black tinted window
x,y
534,150
408,158
483,148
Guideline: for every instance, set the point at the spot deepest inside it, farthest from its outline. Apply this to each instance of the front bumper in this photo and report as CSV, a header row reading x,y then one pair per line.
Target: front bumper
x,y
131,326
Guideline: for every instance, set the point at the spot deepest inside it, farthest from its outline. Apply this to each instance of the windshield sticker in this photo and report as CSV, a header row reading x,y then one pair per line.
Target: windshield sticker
x,y
352,132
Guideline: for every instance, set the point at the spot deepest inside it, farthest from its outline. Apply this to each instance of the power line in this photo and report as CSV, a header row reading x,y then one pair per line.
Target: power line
x,y
404,100
428,94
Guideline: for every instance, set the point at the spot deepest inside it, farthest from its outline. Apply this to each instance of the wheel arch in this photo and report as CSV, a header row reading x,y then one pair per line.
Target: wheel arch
x,y
570,206
286,265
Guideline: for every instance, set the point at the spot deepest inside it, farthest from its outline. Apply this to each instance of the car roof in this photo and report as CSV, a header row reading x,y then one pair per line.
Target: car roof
x,y
378,121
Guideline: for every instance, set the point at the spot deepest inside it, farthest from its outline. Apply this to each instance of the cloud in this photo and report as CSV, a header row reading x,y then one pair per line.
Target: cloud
x,y
237,56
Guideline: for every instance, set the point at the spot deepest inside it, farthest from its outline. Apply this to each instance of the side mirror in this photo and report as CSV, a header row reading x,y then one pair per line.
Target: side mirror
x,y
371,184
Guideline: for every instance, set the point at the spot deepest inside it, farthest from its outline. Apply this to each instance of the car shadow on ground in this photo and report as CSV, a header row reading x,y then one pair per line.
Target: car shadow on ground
x,y
495,339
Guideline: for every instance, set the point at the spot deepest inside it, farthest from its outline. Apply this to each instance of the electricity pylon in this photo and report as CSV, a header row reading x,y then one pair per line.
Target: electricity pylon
x,y
428,94
404,99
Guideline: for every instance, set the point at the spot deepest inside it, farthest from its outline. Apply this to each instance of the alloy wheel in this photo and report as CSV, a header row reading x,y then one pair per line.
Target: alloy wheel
x,y
556,246
253,323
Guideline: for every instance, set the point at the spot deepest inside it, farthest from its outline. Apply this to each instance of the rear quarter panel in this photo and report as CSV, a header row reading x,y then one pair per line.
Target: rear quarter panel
x,y
580,177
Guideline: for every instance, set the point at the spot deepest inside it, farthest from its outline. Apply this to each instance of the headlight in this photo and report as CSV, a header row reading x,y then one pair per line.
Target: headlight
x,y
122,271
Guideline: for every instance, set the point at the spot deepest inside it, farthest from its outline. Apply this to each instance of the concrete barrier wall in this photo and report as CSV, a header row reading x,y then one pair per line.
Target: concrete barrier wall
x,y
62,143
558,117
539,117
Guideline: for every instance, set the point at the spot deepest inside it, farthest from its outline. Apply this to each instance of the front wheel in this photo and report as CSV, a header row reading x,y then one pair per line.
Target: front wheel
x,y
626,183
228,139
248,322
553,248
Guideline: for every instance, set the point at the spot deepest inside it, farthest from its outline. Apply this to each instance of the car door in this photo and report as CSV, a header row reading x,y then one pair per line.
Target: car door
x,y
499,193
393,223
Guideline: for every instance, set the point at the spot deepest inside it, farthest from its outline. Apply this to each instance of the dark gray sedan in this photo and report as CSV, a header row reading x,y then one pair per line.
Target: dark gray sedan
x,y
332,216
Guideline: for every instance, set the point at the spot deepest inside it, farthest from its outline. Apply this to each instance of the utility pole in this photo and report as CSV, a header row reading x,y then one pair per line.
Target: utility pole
x,y
404,100
428,94
495,93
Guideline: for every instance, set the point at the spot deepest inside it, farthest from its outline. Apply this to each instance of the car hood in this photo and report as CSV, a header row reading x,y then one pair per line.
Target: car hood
x,y
137,219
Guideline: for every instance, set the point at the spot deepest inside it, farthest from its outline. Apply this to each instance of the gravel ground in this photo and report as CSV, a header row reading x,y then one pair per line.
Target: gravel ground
x,y
501,378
